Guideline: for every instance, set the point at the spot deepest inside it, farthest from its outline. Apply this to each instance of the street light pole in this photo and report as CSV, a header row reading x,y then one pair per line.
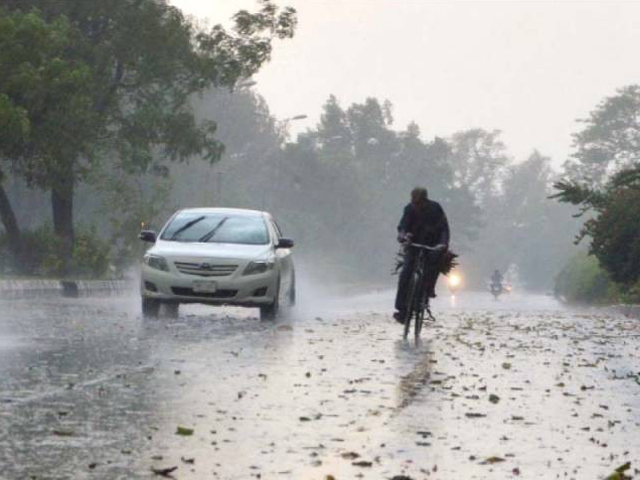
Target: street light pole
x,y
283,127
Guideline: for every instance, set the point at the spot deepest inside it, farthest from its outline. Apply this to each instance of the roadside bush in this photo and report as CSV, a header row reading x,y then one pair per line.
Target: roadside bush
x,y
90,256
616,236
631,294
582,280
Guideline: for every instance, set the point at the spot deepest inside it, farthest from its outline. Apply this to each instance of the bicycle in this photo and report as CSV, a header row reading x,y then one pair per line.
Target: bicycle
x,y
417,298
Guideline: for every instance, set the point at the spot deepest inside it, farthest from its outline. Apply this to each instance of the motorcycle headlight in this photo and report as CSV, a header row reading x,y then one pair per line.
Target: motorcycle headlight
x,y
157,262
255,268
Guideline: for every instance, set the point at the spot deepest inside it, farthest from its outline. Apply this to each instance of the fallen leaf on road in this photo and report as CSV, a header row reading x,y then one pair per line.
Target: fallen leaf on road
x,y
184,431
164,472
619,474
350,455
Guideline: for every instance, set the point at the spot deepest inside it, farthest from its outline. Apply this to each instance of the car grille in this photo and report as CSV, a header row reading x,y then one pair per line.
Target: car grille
x,y
188,292
204,269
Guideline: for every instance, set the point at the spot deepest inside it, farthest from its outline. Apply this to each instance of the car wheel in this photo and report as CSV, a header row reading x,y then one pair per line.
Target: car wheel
x,y
150,308
172,309
292,291
270,312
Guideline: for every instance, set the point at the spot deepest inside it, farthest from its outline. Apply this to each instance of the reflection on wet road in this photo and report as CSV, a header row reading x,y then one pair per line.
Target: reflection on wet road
x,y
519,387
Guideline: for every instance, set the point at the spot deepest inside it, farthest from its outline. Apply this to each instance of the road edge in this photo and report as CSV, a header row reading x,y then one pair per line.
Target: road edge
x,y
63,288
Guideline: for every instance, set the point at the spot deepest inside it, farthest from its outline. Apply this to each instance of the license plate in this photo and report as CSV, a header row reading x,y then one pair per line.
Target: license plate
x,y
204,287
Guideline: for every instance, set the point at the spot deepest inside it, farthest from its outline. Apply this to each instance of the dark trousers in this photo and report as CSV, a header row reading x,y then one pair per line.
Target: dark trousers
x,y
432,261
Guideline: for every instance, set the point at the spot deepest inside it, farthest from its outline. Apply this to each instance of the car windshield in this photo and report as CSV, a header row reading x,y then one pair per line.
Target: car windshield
x,y
217,228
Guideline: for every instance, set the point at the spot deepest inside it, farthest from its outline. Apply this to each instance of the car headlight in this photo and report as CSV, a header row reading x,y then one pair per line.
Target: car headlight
x,y
261,266
157,262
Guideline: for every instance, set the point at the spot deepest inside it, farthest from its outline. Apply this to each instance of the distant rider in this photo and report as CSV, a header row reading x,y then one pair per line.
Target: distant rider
x,y
423,221
496,280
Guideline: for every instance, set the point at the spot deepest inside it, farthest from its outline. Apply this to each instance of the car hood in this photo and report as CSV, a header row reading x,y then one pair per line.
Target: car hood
x,y
213,250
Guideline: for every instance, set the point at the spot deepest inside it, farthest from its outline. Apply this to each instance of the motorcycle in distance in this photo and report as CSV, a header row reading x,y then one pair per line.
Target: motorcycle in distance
x,y
496,287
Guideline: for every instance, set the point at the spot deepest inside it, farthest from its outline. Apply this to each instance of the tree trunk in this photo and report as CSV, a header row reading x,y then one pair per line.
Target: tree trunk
x,y
10,224
62,205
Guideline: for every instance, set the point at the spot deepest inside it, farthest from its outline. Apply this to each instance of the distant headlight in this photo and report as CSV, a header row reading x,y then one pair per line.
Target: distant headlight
x,y
258,267
157,262
454,280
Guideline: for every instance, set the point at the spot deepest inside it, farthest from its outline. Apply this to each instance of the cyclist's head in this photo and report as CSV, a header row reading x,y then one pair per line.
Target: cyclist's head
x,y
419,196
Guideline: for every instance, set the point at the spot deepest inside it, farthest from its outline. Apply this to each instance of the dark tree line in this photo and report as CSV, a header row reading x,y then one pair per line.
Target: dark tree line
x,y
339,188
119,109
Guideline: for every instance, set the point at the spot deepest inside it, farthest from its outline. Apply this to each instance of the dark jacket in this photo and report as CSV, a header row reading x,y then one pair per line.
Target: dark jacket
x,y
428,225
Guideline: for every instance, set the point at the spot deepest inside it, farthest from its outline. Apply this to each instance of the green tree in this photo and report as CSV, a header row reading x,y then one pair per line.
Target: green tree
x,y
603,179
614,227
610,139
252,142
40,93
533,231
478,160
370,124
122,74
333,131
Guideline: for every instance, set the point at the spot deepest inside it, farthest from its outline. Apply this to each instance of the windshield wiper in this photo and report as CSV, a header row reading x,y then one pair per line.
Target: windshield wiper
x,y
186,226
209,235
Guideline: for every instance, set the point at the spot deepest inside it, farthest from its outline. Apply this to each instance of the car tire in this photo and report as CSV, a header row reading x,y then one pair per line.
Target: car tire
x,y
150,308
292,291
172,309
270,312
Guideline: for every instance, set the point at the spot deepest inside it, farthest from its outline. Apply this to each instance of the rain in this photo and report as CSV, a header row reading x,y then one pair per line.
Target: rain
x,y
206,212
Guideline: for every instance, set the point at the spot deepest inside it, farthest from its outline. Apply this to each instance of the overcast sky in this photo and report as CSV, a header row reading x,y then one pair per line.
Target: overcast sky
x,y
529,69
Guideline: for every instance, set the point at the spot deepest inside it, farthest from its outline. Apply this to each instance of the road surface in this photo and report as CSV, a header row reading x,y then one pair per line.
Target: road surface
x,y
521,387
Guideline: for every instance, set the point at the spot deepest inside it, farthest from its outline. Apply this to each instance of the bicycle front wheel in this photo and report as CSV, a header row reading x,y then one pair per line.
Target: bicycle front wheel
x,y
412,299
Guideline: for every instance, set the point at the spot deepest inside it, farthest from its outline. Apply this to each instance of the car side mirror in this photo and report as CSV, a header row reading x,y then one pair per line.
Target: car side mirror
x,y
148,236
285,243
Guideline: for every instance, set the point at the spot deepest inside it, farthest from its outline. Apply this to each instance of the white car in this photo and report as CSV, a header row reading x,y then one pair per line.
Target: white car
x,y
218,256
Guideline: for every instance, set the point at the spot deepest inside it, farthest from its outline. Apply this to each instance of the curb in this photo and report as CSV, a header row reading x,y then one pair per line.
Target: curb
x,y
63,288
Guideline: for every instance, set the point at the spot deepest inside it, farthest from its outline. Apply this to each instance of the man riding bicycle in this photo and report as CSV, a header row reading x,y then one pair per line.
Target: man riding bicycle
x,y
423,221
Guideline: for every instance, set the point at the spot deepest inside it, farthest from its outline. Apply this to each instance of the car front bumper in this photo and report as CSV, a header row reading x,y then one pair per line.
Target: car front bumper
x,y
236,289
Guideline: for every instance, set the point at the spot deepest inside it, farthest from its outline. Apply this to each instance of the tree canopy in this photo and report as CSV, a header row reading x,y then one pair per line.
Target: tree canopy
x,y
603,179
110,81
610,139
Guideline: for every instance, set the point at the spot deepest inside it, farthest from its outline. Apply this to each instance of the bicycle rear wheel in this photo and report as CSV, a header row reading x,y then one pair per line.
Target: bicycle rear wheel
x,y
419,320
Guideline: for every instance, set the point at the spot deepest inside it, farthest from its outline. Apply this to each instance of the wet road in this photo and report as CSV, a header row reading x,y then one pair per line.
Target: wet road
x,y
516,388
